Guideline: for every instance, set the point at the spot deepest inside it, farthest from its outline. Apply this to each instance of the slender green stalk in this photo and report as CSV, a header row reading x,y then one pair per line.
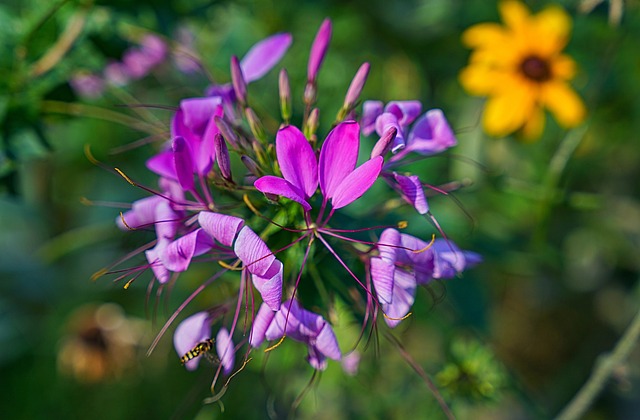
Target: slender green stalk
x,y
603,370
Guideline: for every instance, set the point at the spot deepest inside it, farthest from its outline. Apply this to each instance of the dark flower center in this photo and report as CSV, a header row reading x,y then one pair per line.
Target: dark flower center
x,y
536,69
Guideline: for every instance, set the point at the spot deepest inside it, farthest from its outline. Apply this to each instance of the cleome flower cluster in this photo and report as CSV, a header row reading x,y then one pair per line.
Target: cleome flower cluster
x,y
231,197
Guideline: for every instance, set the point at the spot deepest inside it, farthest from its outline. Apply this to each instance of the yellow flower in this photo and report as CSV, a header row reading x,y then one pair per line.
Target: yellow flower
x,y
521,68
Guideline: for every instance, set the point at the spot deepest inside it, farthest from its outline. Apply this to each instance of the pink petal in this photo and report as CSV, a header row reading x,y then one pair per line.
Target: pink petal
x,y
297,160
225,350
260,324
384,123
204,152
412,192
357,182
221,227
264,55
253,252
270,184
191,331
163,165
270,285
198,112
338,156
178,254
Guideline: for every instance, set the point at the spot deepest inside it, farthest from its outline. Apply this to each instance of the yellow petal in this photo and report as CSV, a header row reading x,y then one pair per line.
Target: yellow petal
x,y
483,35
563,67
514,14
508,110
564,103
479,79
533,127
552,27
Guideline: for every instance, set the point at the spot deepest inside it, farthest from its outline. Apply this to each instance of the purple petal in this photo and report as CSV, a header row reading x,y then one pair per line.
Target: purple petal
x,y
338,156
316,359
270,184
287,318
166,221
384,123
253,252
142,213
449,260
225,350
260,324
388,245
327,343
385,143
270,285
221,227
163,165
191,331
350,363
412,191
405,111
183,163
404,291
204,152
357,182
382,273
178,254
431,134
198,112
264,55
371,110
319,50
159,270
297,160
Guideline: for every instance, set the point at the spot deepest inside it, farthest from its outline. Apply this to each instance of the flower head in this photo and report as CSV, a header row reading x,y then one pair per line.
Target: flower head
x,y
520,67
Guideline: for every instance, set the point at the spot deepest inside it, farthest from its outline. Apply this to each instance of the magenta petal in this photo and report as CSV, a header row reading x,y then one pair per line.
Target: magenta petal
x,y
338,156
163,165
253,252
193,330
221,227
178,254
405,111
431,134
327,343
225,350
183,163
264,55
412,191
357,182
270,285
270,184
319,50
404,291
203,149
297,160
382,273
198,112
260,324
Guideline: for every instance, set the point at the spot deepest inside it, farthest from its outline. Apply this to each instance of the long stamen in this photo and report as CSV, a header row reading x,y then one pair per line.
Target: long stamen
x,y
255,211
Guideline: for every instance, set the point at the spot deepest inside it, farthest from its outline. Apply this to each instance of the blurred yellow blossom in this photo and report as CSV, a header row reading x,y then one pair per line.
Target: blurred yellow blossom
x,y
521,69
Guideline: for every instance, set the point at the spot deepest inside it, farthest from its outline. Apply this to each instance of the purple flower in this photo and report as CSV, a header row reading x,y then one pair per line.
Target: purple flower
x,y
193,330
406,262
340,181
300,325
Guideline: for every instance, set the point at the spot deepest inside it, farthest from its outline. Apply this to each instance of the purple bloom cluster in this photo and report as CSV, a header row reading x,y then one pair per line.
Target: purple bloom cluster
x,y
221,180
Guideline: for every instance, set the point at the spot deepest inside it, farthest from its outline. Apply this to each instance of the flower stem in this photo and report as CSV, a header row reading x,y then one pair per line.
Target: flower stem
x,y
603,370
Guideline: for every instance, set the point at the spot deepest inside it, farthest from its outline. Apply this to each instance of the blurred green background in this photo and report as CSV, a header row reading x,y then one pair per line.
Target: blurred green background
x,y
559,228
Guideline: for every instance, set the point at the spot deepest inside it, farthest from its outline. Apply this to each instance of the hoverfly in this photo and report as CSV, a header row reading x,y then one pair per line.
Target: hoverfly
x,y
202,348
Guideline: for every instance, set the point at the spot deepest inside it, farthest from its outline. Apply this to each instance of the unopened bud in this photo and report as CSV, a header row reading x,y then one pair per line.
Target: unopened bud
x,y
239,84
222,156
255,125
383,145
227,131
355,88
285,95
251,165
318,50
312,124
310,93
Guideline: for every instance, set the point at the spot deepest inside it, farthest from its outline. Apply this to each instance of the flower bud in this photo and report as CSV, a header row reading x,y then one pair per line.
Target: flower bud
x,y
318,50
239,84
222,156
383,145
355,88
251,165
255,125
227,131
312,124
285,95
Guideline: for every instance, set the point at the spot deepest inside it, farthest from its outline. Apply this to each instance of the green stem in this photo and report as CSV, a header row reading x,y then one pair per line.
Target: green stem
x,y
602,372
